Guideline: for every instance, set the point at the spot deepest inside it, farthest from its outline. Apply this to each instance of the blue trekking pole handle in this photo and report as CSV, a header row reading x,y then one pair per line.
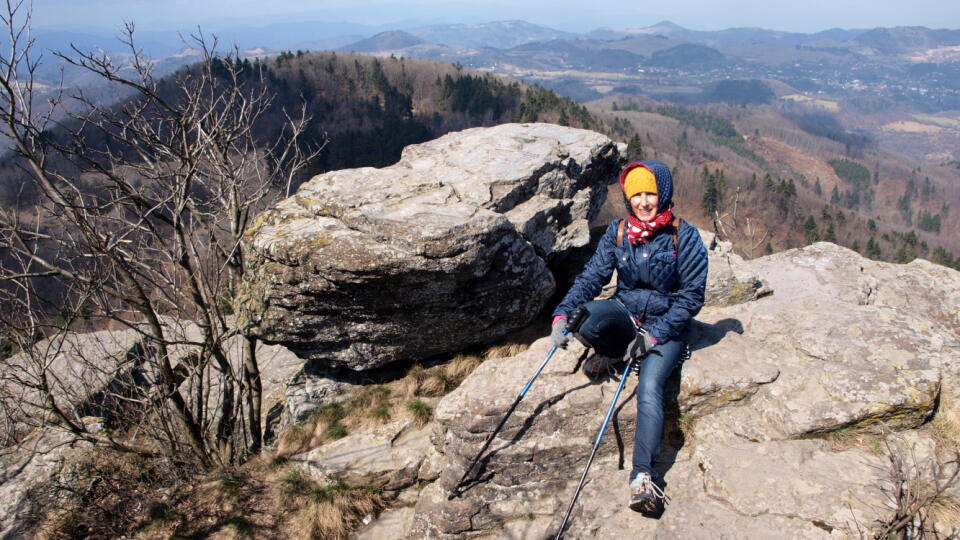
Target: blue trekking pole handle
x,y
455,491
596,445
539,369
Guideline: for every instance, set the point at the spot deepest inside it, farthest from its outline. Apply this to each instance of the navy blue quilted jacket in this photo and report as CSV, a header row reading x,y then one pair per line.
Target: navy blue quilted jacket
x,y
661,286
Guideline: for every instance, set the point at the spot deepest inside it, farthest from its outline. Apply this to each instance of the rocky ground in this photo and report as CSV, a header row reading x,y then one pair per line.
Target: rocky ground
x,y
788,420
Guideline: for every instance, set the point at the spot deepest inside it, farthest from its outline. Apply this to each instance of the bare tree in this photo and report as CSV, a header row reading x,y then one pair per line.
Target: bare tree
x,y
141,210
916,488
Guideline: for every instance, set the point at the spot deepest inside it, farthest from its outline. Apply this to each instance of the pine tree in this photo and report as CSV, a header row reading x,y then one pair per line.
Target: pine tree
x,y
711,195
810,230
634,149
830,235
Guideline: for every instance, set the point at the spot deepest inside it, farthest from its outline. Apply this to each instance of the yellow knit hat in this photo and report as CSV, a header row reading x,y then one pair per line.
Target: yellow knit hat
x,y
639,180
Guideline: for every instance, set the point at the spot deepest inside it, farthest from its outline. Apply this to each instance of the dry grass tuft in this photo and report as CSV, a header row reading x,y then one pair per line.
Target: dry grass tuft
x,y
506,350
295,439
946,424
946,512
438,380
461,367
105,494
324,425
437,384
331,511
409,385
336,420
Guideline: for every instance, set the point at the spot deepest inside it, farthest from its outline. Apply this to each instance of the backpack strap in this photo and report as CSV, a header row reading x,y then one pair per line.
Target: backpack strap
x,y
620,229
676,227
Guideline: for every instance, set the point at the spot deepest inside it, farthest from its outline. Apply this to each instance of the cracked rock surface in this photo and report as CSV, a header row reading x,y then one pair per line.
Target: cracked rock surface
x,y
447,248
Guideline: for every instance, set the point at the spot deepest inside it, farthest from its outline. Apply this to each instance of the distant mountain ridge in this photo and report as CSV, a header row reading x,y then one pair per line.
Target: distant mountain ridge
x,y
384,41
729,36
496,34
500,34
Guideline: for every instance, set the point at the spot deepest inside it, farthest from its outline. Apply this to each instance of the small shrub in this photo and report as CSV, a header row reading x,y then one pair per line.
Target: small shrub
x,y
241,526
421,411
230,484
381,412
336,430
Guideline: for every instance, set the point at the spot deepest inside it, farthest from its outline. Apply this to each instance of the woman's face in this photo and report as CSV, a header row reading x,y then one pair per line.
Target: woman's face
x,y
644,205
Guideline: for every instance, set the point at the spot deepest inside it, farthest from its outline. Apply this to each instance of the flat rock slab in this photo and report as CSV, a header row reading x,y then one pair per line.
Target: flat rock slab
x,y
388,457
445,249
800,480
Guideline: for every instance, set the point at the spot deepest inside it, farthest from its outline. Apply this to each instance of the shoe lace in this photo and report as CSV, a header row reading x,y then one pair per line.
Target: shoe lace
x,y
645,483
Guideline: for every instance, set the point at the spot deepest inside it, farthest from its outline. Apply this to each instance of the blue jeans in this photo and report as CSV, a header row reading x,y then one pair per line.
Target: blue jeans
x,y
609,329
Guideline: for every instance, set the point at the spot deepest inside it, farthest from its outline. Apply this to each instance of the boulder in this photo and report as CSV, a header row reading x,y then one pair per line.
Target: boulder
x,y
730,280
448,248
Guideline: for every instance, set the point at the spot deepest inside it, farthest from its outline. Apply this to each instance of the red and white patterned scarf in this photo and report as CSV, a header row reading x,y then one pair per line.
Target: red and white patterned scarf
x,y
642,231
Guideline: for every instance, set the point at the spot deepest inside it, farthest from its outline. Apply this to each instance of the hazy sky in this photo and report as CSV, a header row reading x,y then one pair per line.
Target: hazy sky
x,y
573,15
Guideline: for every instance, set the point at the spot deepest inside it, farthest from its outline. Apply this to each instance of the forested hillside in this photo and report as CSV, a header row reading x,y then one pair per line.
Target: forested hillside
x,y
770,179
363,110
370,108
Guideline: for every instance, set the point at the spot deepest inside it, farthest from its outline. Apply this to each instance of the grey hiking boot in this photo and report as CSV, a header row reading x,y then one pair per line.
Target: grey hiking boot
x,y
646,496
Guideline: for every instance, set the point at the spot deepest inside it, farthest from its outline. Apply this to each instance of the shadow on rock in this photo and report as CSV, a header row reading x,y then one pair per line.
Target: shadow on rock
x,y
702,335
482,475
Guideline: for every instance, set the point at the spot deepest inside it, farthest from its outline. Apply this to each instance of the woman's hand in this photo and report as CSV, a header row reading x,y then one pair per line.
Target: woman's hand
x,y
558,333
640,345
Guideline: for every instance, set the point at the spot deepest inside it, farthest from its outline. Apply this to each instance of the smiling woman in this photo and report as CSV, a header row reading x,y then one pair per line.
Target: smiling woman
x,y
661,266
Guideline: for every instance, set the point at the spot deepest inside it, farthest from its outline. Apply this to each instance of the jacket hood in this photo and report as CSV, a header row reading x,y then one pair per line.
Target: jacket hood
x,y
663,177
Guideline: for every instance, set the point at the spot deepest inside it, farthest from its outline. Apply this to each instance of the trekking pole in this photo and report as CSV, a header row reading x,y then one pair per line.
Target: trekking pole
x,y
572,325
455,492
596,445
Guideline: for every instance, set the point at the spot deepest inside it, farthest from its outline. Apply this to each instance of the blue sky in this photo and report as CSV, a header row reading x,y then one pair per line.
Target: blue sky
x,y
573,15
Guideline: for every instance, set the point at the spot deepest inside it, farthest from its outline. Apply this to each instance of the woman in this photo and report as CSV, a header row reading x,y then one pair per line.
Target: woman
x,y
661,268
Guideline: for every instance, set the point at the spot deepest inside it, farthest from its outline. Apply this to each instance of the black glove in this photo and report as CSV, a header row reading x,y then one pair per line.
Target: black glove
x,y
557,335
640,346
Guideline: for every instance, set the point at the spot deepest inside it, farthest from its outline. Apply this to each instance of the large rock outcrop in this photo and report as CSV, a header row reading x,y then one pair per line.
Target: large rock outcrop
x,y
445,249
763,421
